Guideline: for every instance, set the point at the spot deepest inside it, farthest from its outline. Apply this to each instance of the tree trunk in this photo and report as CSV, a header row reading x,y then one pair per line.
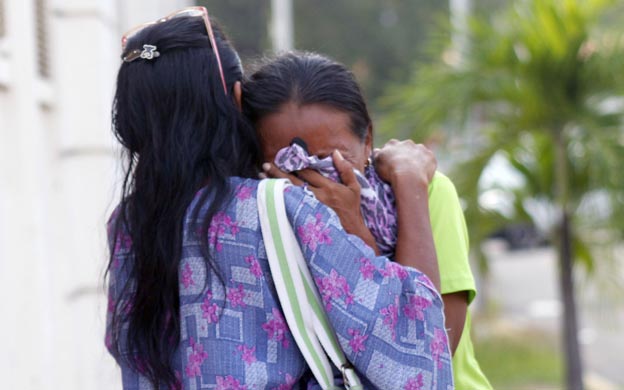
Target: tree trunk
x,y
574,368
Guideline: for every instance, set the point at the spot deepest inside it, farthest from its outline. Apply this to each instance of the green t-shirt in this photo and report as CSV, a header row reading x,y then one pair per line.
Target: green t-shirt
x,y
451,241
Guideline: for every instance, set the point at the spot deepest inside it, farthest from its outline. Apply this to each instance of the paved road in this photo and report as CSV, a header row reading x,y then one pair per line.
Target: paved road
x,y
524,284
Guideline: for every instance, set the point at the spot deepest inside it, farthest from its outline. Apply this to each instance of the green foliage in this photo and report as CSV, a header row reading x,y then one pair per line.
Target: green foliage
x,y
377,40
542,73
245,23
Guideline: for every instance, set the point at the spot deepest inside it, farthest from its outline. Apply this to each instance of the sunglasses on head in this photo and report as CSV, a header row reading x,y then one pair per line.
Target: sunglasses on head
x,y
149,51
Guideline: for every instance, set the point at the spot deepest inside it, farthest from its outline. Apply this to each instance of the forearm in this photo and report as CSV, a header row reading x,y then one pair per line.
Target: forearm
x,y
455,308
398,304
415,246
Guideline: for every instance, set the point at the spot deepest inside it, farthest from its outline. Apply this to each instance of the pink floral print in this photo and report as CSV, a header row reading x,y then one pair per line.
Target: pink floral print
x,y
236,296
219,225
367,269
276,328
187,276
314,233
334,286
438,345
209,309
229,383
415,308
248,354
195,359
337,267
393,270
390,316
357,341
255,266
243,192
290,382
426,281
415,383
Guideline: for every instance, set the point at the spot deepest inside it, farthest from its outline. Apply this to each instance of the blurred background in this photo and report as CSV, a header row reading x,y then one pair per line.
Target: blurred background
x,y
522,100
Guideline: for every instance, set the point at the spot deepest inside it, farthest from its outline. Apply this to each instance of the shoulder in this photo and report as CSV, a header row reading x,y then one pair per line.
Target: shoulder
x,y
111,223
244,189
450,236
445,208
296,197
441,188
444,203
117,232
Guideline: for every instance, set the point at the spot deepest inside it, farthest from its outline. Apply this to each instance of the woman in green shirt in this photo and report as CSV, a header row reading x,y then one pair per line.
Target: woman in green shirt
x,y
284,98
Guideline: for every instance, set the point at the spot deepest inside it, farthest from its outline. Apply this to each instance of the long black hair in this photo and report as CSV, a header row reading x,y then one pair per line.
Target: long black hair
x,y
305,78
179,132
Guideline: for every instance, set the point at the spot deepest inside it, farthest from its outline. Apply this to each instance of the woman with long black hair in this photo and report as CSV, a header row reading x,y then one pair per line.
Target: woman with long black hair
x,y
191,299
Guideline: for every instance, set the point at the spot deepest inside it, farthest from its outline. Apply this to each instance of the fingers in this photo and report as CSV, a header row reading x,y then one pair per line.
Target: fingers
x,y
270,170
345,170
400,157
319,185
312,177
315,179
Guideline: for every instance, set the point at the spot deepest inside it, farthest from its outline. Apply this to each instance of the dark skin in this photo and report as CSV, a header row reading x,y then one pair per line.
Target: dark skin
x,y
323,131
326,130
455,308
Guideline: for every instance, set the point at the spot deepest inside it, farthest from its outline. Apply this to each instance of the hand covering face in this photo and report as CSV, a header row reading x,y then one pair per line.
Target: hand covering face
x,y
377,199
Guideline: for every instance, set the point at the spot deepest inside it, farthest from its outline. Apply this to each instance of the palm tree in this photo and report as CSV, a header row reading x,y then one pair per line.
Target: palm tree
x,y
539,87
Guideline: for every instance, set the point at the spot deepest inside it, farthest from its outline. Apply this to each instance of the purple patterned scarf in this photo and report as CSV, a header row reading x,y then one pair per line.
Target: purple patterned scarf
x,y
377,203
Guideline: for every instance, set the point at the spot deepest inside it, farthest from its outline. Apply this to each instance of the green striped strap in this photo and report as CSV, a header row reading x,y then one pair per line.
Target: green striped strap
x,y
302,307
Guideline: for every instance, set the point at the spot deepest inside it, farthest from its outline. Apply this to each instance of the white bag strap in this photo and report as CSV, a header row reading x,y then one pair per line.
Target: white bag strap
x,y
302,307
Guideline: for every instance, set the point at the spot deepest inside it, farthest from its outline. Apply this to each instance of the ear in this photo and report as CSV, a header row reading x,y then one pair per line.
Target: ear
x,y
238,95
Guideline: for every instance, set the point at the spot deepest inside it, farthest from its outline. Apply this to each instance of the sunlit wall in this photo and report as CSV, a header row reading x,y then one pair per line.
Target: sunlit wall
x,y
58,180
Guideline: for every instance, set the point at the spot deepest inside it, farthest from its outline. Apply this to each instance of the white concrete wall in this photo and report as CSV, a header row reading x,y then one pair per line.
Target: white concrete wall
x,y
24,174
58,175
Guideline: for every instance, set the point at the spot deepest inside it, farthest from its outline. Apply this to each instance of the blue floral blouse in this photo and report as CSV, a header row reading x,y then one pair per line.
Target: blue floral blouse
x,y
389,319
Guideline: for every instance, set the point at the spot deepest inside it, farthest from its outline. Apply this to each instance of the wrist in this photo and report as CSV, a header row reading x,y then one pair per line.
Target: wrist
x,y
411,179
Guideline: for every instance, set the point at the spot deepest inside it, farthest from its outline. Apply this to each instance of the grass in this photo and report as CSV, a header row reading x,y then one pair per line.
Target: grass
x,y
520,360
